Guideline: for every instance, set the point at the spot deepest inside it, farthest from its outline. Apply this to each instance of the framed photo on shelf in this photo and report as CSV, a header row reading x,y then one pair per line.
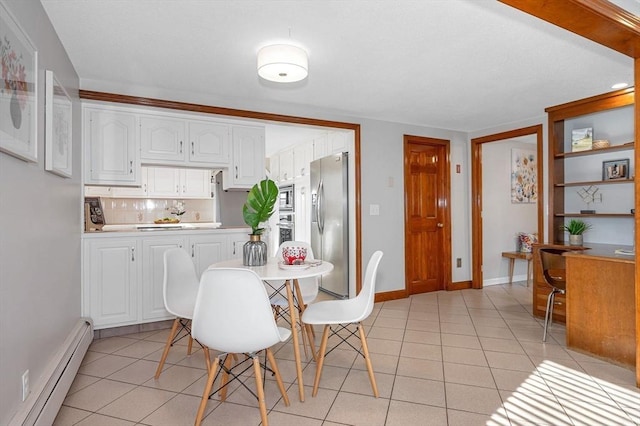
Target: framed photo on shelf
x,y
615,169
582,139
18,90
58,130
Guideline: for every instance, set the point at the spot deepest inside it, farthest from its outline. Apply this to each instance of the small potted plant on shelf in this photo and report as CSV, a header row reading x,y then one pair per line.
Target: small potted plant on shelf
x,y
576,228
258,209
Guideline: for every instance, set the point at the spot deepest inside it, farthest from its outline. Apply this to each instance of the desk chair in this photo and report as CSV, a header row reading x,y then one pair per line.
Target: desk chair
x,y
233,315
306,292
342,313
179,289
554,273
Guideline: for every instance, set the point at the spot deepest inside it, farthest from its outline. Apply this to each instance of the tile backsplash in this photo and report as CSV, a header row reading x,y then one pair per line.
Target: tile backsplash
x,y
145,210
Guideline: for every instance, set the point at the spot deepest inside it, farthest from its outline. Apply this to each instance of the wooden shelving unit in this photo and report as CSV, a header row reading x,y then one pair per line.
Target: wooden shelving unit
x,y
557,156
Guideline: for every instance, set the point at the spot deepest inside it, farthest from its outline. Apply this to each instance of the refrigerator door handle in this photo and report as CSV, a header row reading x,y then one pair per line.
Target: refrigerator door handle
x,y
321,206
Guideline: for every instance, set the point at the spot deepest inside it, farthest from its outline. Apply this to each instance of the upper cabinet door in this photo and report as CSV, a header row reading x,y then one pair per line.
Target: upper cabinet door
x,y
195,183
209,143
162,140
247,164
163,182
112,148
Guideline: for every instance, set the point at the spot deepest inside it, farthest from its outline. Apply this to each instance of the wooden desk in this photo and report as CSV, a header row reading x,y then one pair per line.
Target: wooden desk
x,y
601,311
512,256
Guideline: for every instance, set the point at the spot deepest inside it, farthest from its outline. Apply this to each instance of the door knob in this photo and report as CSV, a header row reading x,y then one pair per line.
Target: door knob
x,y
440,225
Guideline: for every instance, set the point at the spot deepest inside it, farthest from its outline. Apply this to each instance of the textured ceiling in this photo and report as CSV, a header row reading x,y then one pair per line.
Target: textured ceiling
x,y
455,64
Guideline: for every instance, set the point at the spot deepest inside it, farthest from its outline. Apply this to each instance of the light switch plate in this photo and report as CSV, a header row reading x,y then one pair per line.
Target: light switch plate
x,y
374,209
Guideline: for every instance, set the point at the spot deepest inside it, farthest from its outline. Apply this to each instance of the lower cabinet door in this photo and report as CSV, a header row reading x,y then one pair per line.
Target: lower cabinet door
x,y
207,249
153,275
111,282
236,243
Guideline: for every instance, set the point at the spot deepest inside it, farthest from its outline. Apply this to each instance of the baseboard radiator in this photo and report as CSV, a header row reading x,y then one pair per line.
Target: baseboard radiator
x,y
42,406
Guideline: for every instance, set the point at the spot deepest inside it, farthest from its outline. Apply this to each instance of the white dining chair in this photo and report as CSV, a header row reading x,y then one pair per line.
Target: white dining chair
x,y
306,292
179,290
233,315
342,314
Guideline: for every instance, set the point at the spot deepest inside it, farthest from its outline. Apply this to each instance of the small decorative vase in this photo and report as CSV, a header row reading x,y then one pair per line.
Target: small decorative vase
x,y
254,251
15,111
575,240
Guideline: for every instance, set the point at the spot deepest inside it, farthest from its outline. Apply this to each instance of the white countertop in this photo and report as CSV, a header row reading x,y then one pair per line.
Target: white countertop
x,y
128,227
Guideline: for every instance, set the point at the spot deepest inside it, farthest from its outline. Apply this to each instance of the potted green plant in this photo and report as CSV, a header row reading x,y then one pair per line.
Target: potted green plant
x,y
258,209
576,228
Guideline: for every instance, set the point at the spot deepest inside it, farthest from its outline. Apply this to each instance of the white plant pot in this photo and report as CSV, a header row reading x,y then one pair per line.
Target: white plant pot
x,y
575,240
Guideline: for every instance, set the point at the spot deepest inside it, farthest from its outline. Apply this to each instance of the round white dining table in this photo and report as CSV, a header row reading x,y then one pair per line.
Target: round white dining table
x,y
275,271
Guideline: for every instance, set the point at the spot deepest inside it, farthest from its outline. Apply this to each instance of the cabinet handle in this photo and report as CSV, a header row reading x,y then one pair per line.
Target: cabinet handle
x,y
133,252
193,148
144,188
177,189
180,147
234,247
130,167
302,171
236,172
184,189
193,252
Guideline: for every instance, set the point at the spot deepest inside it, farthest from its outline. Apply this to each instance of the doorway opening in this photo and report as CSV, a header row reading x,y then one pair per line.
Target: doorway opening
x,y
534,133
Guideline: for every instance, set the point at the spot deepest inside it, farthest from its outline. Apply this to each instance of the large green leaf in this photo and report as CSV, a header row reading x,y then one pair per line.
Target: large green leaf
x,y
260,204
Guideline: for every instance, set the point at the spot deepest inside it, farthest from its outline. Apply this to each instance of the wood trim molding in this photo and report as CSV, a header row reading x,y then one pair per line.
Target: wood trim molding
x,y
208,109
476,191
391,295
460,285
598,20
637,225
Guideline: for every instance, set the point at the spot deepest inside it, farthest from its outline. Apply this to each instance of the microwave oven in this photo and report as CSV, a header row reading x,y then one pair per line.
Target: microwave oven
x,y
286,198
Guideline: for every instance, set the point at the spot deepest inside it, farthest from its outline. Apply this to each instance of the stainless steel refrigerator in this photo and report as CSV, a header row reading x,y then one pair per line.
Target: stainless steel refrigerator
x,y
330,221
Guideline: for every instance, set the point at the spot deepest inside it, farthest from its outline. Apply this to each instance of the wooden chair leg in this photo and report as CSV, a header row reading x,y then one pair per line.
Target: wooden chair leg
x,y
367,359
167,346
274,367
321,352
207,358
225,377
257,370
190,345
207,390
311,337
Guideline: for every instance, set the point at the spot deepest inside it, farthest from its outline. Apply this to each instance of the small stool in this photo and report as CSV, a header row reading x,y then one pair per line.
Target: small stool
x,y
512,256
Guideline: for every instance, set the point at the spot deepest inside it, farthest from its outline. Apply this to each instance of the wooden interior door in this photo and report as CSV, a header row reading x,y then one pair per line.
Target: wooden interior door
x,y
427,224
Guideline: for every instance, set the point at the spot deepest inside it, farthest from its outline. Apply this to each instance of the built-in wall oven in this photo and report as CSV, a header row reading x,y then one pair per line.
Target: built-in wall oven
x,y
287,225
286,209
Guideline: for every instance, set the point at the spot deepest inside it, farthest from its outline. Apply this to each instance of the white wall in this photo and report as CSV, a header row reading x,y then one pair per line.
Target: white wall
x,y
502,220
39,235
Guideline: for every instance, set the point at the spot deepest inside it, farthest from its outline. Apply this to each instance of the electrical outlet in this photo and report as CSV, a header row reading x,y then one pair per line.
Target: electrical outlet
x,y
459,262
25,385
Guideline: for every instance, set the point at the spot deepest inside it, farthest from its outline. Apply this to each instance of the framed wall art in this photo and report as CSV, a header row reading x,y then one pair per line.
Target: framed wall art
x,y
18,90
524,176
58,130
615,169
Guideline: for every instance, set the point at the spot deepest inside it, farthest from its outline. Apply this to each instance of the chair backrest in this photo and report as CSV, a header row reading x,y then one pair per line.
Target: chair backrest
x,y
180,285
554,267
233,313
363,302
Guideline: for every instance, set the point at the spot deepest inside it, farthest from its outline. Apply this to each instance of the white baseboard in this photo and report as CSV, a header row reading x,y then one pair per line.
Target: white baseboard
x,y
45,400
503,280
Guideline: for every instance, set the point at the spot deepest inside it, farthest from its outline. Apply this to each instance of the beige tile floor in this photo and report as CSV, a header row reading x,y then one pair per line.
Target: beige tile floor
x,y
471,357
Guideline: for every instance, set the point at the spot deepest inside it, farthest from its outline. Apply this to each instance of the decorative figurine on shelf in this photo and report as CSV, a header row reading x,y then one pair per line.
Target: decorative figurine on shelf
x,y
590,195
258,209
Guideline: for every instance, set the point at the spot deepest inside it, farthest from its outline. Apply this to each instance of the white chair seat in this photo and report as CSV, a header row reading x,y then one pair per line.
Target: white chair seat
x,y
331,312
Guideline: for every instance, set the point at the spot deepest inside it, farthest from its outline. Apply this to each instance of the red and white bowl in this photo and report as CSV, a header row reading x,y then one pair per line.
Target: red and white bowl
x,y
293,255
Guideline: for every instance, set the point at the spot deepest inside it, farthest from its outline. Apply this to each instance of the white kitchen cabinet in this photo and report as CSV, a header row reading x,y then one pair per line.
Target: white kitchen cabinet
x,y
162,140
338,142
302,217
247,158
209,143
302,157
236,243
98,191
286,165
112,273
320,146
112,147
274,168
166,182
132,191
152,306
208,249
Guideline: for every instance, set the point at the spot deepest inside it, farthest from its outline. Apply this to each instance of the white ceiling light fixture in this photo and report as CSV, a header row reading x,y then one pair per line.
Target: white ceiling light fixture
x,y
283,63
